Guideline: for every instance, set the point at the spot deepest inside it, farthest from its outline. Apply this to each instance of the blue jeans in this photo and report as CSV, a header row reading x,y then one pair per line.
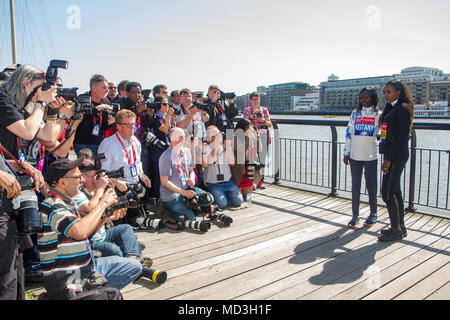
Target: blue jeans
x,y
78,147
225,193
177,207
119,271
119,241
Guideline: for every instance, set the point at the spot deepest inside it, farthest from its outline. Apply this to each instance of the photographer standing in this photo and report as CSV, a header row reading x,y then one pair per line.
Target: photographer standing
x,y
221,111
260,118
20,123
11,244
191,117
123,149
91,131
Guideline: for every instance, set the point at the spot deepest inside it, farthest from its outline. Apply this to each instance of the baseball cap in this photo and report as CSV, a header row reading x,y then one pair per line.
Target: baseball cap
x,y
59,169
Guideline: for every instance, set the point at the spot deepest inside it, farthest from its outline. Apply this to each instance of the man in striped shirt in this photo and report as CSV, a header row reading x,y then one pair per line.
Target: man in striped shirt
x,y
66,256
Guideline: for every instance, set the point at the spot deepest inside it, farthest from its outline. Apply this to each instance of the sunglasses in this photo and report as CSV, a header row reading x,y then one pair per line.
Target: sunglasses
x,y
112,87
72,177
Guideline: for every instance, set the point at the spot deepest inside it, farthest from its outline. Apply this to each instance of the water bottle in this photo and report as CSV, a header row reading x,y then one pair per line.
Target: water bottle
x,y
249,199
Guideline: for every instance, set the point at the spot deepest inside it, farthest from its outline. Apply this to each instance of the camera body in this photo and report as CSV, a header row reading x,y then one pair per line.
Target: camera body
x,y
26,206
200,105
153,141
227,95
132,199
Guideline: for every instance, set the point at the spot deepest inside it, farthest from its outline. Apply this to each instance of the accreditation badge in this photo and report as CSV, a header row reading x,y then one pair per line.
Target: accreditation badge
x,y
96,130
133,170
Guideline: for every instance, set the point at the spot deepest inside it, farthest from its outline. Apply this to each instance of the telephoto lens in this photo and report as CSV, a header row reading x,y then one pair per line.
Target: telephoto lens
x,y
157,276
29,219
251,171
149,223
226,220
194,225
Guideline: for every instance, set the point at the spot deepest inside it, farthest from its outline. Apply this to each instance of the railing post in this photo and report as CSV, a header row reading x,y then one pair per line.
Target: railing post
x,y
412,172
276,155
334,161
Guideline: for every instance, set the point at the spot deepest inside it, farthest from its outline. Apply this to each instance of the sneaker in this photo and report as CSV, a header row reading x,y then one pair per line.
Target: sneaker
x,y
393,235
261,185
404,232
370,221
352,224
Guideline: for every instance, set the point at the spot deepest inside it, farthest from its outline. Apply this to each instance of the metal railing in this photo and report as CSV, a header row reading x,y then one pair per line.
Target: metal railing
x,y
316,165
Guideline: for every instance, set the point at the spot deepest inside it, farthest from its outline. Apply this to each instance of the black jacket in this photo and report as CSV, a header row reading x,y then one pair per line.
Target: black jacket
x,y
219,109
396,123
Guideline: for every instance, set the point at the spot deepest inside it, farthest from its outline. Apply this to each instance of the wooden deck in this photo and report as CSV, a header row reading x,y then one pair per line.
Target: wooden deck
x,y
295,245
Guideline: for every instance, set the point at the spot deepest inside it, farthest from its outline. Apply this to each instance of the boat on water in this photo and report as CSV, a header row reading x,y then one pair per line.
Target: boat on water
x,y
438,109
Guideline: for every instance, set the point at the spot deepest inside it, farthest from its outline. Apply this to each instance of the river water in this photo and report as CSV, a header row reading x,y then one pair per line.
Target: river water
x,y
308,164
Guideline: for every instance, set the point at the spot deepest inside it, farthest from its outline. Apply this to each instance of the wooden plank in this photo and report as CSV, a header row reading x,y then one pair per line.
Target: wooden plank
x,y
231,267
307,263
364,269
387,267
443,293
430,283
219,268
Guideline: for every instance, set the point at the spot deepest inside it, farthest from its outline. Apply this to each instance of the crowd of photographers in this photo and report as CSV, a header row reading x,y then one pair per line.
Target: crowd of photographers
x,y
145,160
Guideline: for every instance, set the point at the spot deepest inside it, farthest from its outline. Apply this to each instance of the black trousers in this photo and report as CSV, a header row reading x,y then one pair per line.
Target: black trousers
x,y
12,282
392,193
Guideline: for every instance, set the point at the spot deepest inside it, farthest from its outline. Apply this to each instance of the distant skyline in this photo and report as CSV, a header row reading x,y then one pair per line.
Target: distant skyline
x,y
238,45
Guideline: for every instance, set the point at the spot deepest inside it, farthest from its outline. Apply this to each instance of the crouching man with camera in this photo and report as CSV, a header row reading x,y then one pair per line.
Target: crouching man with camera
x,y
67,262
123,149
218,156
11,267
177,190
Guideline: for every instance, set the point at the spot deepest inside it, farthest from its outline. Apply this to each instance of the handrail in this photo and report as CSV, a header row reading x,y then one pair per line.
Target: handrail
x,y
333,123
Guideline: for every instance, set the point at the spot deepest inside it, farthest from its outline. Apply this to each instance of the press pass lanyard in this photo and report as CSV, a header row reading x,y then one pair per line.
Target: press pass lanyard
x,y
101,115
126,153
183,175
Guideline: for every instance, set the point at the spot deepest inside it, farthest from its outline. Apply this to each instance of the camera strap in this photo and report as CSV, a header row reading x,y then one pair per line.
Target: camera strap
x,y
3,149
126,153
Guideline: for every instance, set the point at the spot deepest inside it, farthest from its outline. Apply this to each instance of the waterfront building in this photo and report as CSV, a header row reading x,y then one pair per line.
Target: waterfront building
x,y
308,102
279,96
424,84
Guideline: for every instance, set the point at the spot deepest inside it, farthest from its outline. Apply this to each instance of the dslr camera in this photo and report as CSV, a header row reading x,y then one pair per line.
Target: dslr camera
x,y
131,199
26,207
82,103
200,105
153,141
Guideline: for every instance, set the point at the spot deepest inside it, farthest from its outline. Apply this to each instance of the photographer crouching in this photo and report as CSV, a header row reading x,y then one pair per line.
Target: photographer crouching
x,y
12,207
179,196
67,262
123,150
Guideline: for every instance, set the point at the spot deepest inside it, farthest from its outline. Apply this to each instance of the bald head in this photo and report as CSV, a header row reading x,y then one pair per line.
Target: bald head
x,y
176,136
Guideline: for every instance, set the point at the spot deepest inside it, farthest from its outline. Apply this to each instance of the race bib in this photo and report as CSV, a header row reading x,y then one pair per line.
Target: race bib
x,y
365,126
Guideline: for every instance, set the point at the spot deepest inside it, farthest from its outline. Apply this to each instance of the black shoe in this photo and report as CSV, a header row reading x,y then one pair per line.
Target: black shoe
x,y
393,235
404,232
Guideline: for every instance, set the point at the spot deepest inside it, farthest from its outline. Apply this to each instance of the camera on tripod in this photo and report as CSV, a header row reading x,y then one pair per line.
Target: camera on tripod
x,y
28,217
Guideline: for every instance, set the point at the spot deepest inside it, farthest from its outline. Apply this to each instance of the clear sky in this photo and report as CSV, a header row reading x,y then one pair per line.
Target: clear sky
x,y
237,44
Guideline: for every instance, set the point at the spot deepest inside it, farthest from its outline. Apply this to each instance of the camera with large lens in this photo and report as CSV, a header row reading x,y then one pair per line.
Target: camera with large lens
x,y
193,203
29,219
227,95
251,168
131,199
200,105
113,174
152,140
116,107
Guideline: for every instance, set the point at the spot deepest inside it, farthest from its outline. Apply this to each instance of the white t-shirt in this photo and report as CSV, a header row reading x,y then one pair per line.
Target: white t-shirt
x,y
361,135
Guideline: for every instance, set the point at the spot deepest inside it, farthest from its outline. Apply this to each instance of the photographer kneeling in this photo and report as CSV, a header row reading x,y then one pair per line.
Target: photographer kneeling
x,y
218,156
67,263
178,179
123,150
